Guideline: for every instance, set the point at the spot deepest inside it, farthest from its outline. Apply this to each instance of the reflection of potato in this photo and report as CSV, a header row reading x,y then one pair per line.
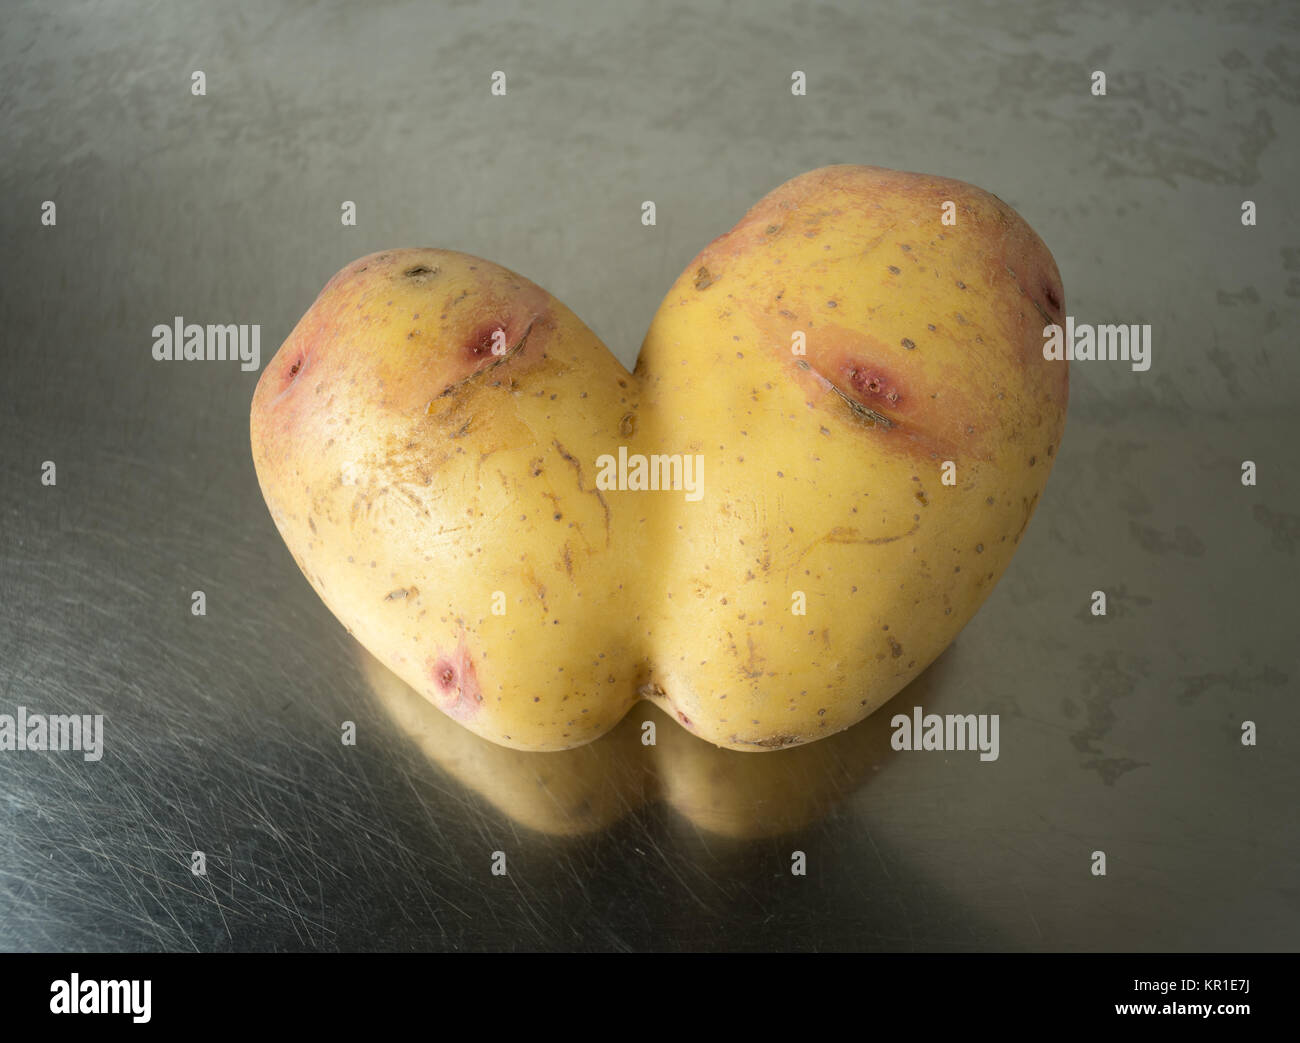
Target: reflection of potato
x,y
739,795
580,791
566,792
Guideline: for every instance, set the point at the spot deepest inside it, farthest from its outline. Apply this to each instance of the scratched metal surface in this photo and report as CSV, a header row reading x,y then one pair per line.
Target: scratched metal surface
x,y
222,733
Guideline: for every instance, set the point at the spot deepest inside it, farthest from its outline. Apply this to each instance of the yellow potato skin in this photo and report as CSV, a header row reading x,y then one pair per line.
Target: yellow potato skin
x,y
941,329
408,509
427,442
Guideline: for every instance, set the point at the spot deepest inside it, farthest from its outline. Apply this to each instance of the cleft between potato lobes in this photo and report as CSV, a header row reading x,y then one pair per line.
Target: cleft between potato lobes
x,y
446,448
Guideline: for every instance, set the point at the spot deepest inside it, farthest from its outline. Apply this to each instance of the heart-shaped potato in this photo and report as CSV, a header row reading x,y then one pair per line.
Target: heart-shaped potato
x,y
839,426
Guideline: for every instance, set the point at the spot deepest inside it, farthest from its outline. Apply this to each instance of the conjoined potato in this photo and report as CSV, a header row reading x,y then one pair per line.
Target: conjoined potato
x,y
839,426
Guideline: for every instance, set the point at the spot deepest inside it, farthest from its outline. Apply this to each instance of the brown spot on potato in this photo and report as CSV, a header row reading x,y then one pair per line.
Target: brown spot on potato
x,y
775,742
569,458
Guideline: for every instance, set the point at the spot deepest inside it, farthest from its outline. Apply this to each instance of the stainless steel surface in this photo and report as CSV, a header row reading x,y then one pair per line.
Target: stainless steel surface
x,y
222,732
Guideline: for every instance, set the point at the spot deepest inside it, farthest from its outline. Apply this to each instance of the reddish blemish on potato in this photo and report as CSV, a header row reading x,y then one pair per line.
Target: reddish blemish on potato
x,y
862,379
455,683
289,373
846,370
867,382
485,339
492,344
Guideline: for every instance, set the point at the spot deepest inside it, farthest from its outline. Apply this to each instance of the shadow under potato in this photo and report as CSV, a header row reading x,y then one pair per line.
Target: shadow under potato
x,y
583,790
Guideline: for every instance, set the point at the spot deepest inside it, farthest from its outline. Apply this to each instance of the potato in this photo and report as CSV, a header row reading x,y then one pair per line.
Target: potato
x,y
864,389
422,481
923,348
